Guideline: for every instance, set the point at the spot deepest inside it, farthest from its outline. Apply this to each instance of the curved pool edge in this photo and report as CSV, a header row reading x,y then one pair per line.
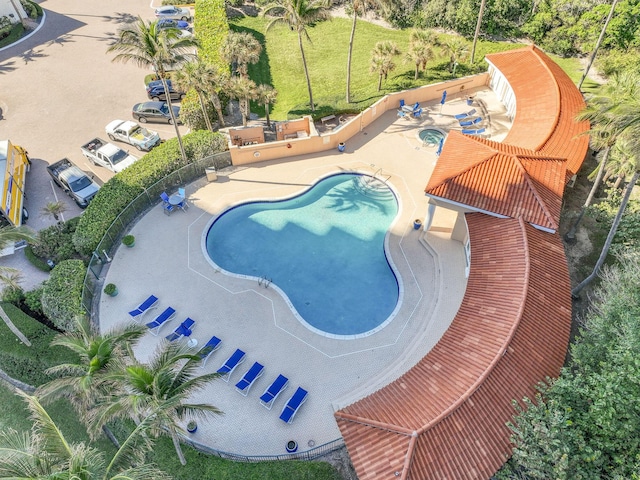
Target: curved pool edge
x,y
394,269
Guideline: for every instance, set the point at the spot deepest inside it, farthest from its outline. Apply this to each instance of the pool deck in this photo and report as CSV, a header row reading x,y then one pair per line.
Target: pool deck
x,y
168,261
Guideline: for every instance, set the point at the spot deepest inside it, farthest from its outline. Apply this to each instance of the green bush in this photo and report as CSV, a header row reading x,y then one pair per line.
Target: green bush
x,y
34,260
25,363
62,294
56,241
212,27
33,299
13,295
124,187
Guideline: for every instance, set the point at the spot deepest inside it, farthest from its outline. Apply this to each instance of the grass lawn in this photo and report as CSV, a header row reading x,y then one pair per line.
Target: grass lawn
x,y
281,65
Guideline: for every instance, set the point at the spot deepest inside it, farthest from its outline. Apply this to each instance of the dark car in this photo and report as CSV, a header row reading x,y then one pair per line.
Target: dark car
x,y
170,23
154,112
155,91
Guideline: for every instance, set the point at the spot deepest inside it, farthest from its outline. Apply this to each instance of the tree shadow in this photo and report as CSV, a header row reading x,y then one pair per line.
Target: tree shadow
x,y
32,55
121,17
7,67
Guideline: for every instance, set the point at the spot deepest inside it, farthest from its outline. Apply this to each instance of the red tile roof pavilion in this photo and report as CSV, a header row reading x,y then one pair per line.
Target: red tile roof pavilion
x,y
446,417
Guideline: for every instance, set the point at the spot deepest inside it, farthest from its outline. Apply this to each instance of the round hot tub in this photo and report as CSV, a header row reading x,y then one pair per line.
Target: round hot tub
x,y
431,136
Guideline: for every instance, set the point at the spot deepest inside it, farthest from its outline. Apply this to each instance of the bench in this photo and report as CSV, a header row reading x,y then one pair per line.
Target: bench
x,y
327,118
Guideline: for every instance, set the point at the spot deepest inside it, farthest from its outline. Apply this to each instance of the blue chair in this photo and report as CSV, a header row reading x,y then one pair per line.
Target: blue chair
x,y
211,346
167,207
160,320
183,205
231,364
149,304
269,396
401,102
244,385
417,113
401,114
293,405
183,330
164,197
460,116
416,106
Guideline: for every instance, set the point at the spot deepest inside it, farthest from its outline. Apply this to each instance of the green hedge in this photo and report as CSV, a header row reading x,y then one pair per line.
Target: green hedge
x,y
62,294
24,363
212,27
124,187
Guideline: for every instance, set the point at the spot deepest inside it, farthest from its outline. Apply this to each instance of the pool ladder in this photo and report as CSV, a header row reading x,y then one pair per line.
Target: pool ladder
x,y
263,281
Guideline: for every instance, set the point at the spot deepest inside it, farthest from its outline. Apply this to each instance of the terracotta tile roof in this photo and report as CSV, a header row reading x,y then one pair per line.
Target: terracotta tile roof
x,y
491,177
445,418
547,103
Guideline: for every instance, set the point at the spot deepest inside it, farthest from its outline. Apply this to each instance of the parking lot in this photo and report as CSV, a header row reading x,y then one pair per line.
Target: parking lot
x,y
59,89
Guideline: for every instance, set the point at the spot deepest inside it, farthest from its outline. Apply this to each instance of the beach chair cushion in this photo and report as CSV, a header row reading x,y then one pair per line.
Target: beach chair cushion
x,y
244,385
293,405
211,346
155,325
231,364
149,304
269,396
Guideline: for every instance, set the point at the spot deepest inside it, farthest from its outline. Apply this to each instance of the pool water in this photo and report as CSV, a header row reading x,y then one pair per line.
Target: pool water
x,y
324,249
431,136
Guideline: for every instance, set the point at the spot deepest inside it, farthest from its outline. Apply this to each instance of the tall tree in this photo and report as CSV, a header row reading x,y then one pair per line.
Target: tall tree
x,y
147,45
218,82
267,95
196,75
157,392
241,49
244,90
298,15
382,59
45,453
84,383
600,112
477,31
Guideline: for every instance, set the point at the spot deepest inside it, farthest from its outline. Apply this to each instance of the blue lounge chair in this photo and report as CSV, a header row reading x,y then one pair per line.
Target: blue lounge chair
x,y
244,385
269,396
146,306
293,405
160,320
460,116
183,330
211,346
473,132
468,123
231,364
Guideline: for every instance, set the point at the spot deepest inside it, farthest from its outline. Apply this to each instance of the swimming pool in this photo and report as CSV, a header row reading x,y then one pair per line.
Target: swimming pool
x,y
431,136
323,249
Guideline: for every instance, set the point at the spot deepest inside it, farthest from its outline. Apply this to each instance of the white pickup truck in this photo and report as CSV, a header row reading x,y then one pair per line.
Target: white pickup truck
x,y
107,155
133,134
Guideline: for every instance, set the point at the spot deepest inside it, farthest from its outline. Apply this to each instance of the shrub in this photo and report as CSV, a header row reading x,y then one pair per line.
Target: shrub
x,y
56,241
110,289
212,27
124,187
34,260
13,295
33,299
62,294
25,363
128,240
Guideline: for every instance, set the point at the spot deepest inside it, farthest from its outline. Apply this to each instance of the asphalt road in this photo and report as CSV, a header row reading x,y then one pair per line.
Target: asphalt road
x,y
59,88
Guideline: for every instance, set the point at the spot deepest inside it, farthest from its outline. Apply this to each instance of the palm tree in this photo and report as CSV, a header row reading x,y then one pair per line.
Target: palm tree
x,y
600,111
382,59
614,227
83,384
298,15
244,90
359,7
146,45
477,32
44,452
54,209
420,50
217,83
196,75
456,49
267,95
241,49
157,392
600,38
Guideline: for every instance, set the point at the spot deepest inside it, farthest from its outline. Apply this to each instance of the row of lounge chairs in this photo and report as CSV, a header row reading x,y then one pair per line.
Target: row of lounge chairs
x,y
267,399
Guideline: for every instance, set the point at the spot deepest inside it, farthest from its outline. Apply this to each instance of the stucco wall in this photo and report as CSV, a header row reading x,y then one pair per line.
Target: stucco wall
x,y
330,140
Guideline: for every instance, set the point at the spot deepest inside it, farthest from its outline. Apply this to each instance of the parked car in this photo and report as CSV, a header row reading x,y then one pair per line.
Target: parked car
x,y
154,112
155,92
173,12
171,23
75,183
133,134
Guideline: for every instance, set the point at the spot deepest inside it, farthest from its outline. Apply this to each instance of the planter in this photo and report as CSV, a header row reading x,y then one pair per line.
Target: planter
x,y
292,446
341,147
192,427
111,290
469,101
129,241
417,223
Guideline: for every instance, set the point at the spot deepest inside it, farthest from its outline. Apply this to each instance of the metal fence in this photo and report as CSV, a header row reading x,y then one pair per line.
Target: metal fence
x,y
135,210
311,454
